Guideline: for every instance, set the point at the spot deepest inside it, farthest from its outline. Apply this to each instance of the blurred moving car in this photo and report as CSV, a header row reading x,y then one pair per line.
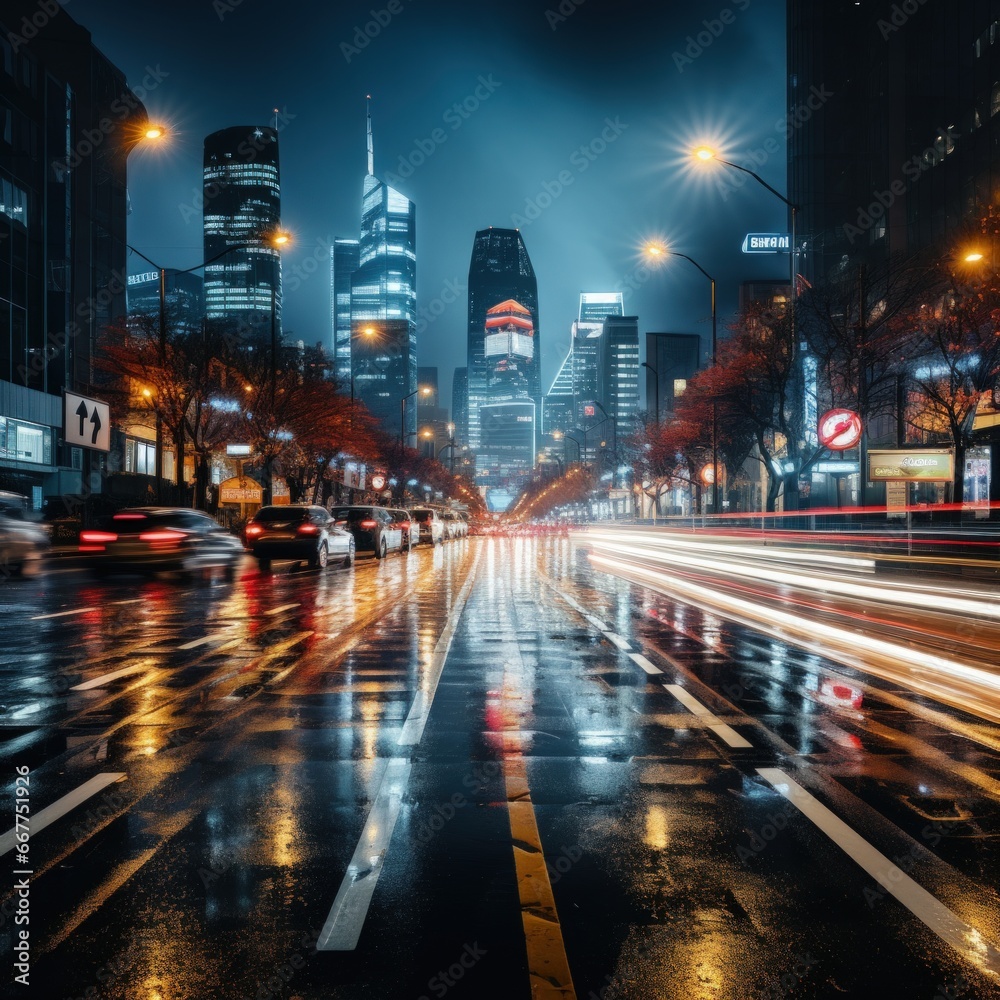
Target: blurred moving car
x,y
430,524
23,543
409,528
155,539
460,523
374,528
304,532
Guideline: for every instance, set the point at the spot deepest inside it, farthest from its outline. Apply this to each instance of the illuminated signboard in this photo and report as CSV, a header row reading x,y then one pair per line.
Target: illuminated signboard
x,y
766,243
143,279
927,465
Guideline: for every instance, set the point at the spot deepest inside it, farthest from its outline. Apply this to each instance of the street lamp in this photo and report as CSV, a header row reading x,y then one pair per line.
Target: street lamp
x,y
657,250
425,390
614,440
656,387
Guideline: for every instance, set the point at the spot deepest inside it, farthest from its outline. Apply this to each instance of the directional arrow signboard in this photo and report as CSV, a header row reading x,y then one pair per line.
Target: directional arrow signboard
x,y
86,422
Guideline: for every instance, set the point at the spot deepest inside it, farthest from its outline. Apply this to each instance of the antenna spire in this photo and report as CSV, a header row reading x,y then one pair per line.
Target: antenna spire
x,y
371,142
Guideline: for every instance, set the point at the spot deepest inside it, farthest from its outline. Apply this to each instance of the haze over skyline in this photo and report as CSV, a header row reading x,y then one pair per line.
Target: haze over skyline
x,y
570,121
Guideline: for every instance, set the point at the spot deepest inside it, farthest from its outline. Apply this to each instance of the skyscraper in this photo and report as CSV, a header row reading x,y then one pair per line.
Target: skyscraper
x,y
619,372
675,357
500,269
587,333
384,300
460,404
242,202
509,412
344,261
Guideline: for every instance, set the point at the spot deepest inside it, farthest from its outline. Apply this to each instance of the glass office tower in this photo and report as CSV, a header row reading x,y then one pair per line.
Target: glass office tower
x,y
344,259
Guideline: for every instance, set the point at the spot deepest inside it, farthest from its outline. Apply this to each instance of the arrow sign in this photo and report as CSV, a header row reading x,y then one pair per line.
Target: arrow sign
x,y
81,412
77,411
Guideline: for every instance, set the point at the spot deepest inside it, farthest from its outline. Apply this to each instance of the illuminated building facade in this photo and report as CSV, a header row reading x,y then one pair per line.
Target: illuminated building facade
x,y
344,259
242,203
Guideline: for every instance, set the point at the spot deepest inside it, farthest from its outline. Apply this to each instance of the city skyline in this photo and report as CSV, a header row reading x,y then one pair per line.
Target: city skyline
x,y
446,138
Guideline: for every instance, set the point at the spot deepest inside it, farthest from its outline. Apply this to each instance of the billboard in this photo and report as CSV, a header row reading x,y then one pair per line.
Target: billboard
x,y
924,465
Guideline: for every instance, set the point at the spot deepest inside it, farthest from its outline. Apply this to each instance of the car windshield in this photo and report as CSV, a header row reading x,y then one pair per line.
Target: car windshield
x,y
421,515
268,515
351,514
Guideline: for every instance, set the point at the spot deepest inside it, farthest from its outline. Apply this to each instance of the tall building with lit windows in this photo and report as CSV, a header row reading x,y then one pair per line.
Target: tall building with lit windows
x,y
384,302
500,269
242,202
344,259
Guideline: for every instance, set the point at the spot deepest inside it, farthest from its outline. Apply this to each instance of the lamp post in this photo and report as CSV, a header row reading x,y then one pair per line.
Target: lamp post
x,y
656,387
424,391
451,444
705,153
579,450
657,250
614,441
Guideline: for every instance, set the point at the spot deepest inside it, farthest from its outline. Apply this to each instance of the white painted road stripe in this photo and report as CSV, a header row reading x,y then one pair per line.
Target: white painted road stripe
x,y
41,819
108,678
617,640
650,668
350,907
596,622
284,607
62,614
967,940
690,703
195,643
729,735
347,915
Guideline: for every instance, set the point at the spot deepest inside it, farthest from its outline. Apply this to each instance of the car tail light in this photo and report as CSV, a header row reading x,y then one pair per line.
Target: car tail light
x,y
163,538
369,524
253,530
94,541
129,517
405,525
308,529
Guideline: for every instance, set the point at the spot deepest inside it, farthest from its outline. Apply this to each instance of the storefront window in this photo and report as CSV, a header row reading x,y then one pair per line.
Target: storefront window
x,y
21,441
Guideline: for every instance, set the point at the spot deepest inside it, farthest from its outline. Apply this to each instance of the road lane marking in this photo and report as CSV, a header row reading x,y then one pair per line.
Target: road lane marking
x,y
108,678
347,916
641,660
548,965
596,622
724,732
967,940
131,600
617,640
284,607
215,636
350,907
61,614
44,817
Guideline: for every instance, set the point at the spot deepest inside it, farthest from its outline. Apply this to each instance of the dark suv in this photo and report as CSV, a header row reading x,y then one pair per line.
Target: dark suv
x,y
374,528
297,531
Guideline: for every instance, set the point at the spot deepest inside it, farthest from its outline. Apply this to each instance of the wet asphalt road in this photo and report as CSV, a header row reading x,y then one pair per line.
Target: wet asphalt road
x,y
483,770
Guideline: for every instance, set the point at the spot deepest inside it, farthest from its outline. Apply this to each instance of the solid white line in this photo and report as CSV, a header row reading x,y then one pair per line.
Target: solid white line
x,y
284,607
689,702
596,622
108,678
729,735
62,614
416,719
347,915
203,640
964,938
617,640
350,907
650,668
41,819
131,600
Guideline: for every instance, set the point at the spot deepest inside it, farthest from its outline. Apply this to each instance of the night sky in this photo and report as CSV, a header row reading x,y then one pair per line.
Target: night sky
x,y
550,78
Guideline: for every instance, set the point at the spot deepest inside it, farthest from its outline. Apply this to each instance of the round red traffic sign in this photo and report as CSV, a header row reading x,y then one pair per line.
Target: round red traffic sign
x,y
839,429
378,482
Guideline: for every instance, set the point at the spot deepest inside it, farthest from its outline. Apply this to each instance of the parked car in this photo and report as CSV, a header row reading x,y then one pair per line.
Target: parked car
x,y
154,539
459,526
409,528
23,543
374,528
303,532
430,523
